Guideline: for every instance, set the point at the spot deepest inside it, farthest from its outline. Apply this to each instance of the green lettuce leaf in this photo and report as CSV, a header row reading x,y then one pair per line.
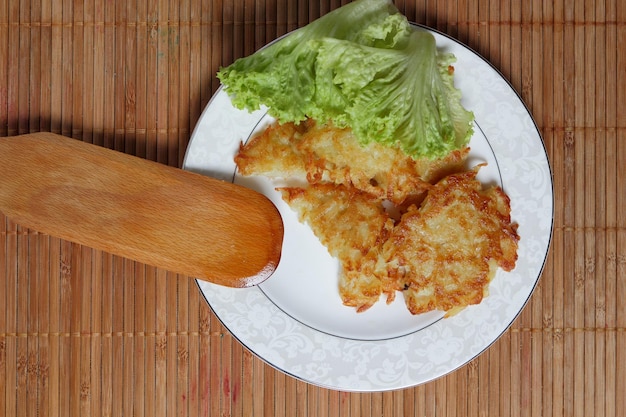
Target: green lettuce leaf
x,y
402,96
363,66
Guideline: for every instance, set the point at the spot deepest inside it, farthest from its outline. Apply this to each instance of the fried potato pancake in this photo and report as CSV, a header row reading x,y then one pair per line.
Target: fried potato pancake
x,y
444,254
350,223
325,153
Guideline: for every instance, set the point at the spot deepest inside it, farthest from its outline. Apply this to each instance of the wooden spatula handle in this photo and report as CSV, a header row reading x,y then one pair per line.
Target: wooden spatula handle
x,y
159,215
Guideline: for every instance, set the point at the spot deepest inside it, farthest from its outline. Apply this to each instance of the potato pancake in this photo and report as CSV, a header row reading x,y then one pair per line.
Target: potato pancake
x,y
325,153
444,254
350,223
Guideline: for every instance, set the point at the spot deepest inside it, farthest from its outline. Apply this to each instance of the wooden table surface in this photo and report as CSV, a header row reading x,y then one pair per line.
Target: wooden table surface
x,y
85,333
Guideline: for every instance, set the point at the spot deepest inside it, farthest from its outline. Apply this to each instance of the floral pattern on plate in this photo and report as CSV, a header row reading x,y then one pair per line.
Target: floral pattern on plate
x,y
328,351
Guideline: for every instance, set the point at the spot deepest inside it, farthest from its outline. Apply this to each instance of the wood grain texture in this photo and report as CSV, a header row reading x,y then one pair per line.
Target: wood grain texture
x,y
142,210
86,332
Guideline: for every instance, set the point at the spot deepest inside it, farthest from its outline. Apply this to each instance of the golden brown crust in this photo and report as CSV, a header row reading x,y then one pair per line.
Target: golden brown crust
x,y
272,152
324,153
445,253
349,223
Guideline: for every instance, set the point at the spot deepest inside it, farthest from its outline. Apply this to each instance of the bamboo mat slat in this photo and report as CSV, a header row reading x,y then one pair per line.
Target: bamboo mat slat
x,y
86,333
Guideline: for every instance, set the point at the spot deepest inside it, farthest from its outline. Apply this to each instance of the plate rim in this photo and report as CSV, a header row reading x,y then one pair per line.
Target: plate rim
x,y
541,267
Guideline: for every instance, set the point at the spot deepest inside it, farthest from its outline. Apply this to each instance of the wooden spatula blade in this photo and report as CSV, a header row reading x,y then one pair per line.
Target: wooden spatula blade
x,y
145,211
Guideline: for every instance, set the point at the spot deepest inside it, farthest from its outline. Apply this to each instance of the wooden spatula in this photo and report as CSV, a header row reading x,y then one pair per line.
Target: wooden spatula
x,y
159,215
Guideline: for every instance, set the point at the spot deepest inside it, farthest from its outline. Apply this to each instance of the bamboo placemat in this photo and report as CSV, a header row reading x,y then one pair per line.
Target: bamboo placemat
x,y
86,333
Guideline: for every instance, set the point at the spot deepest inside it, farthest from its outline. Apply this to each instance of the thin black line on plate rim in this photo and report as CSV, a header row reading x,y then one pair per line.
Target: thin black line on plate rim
x,y
536,280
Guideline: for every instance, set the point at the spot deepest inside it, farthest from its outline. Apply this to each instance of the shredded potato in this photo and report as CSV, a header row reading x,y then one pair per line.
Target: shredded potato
x,y
423,227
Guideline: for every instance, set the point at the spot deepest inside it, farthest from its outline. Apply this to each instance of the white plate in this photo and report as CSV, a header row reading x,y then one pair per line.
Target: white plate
x,y
295,321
